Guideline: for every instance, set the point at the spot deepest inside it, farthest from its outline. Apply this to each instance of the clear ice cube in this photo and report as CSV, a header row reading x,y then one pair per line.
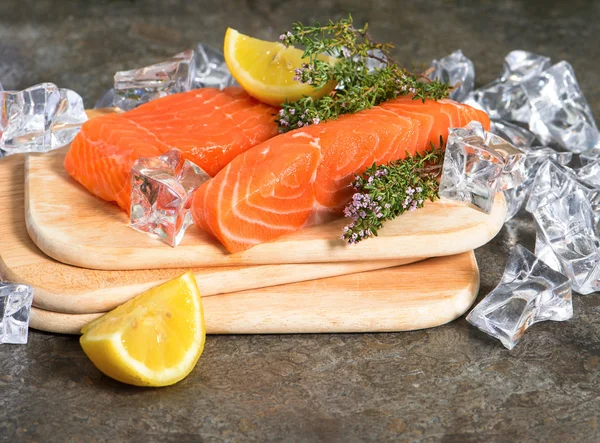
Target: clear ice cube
x,y
455,69
535,156
477,165
517,135
39,119
590,156
138,86
554,181
520,66
161,190
107,100
559,111
15,305
567,226
589,174
211,69
503,98
529,292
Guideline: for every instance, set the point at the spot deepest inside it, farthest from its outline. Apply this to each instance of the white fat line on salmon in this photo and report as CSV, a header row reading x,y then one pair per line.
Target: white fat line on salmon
x,y
234,209
151,133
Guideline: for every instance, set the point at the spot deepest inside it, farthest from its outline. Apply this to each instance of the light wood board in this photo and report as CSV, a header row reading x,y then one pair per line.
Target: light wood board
x,y
68,289
71,225
416,296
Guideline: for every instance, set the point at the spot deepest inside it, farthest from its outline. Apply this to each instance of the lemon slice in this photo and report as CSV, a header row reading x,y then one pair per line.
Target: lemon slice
x,y
266,69
154,339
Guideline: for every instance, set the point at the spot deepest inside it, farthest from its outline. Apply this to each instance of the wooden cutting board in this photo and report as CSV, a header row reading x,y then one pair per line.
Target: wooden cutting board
x,y
74,227
416,296
67,289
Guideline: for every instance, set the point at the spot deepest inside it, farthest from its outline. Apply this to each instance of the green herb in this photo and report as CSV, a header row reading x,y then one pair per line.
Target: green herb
x,y
359,85
386,191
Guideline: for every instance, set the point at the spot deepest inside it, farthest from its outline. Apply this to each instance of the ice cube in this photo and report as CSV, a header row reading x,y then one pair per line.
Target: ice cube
x,y
375,61
138,86
15,305
535,156
503,98
520,66
568,227
477,165
40,118
554,181
161,190
211,69
589,174
590,156
455,69
107,100
517,135
529,292
559,111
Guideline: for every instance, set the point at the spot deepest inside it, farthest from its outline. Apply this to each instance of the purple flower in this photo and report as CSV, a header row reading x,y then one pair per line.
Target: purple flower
x,y
316,120
291,111
419,189
343,105
368,232
289,34
282,37
309,81
412,90
420,202
410,191
361,233
296,78
283,122
354,236
380,198
346,52
282,112
362,214
300,124
370,180
387,206
413,206
298,71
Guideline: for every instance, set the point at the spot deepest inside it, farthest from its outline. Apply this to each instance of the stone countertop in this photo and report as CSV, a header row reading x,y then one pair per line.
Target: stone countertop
x,y
450,383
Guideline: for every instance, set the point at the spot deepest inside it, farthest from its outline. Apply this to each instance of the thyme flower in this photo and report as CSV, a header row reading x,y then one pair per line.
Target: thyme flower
x,y
384,192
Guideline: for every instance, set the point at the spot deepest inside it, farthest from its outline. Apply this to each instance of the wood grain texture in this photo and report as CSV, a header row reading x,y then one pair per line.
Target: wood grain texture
x,y
416,296
68,289
74,227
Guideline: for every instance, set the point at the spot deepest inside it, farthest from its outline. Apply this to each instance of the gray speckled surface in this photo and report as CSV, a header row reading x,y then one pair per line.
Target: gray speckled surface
x,y
449,384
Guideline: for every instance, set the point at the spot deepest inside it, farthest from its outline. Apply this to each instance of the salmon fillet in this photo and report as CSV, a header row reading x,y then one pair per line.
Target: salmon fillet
x,y
209,126
297,178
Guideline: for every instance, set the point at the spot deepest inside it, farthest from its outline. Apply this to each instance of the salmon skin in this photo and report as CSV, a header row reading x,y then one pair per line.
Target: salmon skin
x,y
209,126
297,178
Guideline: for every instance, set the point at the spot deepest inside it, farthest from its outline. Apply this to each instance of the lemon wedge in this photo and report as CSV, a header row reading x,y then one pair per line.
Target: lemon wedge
x,y
154,339
266,69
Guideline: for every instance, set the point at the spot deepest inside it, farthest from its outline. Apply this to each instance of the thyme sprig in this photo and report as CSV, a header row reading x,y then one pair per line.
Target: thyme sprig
x,y
386,191
364,73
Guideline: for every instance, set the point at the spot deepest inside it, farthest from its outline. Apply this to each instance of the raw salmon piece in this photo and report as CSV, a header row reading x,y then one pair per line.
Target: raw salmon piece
x,y
211,127
304,176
